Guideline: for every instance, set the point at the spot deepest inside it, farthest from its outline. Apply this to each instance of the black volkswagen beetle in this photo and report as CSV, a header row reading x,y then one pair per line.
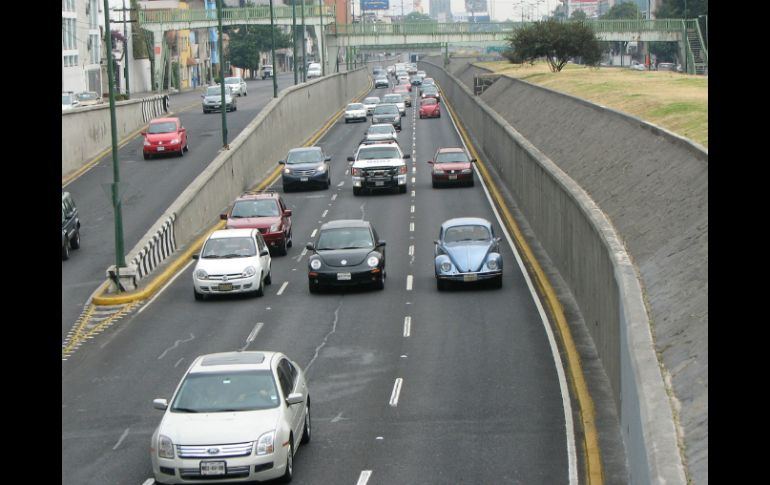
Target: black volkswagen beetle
x,y
346,253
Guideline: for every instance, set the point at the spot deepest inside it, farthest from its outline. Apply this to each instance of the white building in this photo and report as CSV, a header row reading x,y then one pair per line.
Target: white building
x,y
82,24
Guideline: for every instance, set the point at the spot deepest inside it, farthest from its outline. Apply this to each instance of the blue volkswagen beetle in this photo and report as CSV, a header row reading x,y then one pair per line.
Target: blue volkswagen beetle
x,y
467,251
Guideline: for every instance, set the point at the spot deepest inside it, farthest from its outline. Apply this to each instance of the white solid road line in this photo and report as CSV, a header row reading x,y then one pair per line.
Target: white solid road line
x,y
283,287
396,392
411,227
364,478
409,283
407,326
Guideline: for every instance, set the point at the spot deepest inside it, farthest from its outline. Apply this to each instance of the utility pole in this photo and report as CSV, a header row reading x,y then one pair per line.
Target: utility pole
x,y
223,103
304,47
294,36
272,51
120,258
322,52
126,57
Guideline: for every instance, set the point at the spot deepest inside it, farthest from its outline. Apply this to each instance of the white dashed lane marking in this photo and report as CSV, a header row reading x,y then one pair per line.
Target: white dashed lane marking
x,y
407,326
396,392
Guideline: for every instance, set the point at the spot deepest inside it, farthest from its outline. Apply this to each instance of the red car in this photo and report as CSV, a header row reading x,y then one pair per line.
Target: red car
x,y
265,211
429,108
452,166
165,135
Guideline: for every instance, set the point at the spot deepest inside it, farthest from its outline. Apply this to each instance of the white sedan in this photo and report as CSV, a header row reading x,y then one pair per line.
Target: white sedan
x,y
232,261
355,112
235,416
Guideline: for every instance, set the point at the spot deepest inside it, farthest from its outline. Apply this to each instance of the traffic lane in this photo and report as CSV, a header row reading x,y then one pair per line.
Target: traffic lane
x,y
148,188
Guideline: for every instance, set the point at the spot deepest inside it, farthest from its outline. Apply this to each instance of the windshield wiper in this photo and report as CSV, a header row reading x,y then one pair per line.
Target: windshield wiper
x,y
355,247
185,410
234,256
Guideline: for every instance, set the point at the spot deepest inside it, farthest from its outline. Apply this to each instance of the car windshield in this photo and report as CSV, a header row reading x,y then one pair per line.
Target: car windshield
x,y
429,101
87,96
304,156
429,90
375,153
451,157
232,80
466,233
380,130
164,127
393,98
255,208
386,109
215,91
345,238
219,392
355,106
372,100
229,247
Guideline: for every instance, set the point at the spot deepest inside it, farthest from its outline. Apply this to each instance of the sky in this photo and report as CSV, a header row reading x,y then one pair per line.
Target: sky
x,y
499,9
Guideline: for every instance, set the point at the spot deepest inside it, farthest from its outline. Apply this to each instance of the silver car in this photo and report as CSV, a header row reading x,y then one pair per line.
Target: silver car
x,y
396,99
380,132
235,416
237,85
212,100
370,103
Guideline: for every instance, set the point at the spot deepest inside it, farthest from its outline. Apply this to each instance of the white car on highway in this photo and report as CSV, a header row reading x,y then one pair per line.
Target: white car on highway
x,y
237,86
232,261
355,112
235,416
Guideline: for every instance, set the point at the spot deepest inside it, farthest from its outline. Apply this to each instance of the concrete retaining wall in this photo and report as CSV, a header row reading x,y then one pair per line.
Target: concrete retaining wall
x,y
87,131
286,122
590,255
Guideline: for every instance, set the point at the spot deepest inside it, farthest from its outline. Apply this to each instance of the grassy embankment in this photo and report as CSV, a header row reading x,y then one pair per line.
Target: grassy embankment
x,y
674,101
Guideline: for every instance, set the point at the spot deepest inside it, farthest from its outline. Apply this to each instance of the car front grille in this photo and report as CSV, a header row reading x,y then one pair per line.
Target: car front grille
x,y
232,472
225,451
219,277
303,173
380,172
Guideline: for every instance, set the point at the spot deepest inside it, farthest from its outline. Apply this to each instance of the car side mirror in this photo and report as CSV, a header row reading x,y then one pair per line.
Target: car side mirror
x,y
310,246
264,252
381,243
430,162
327,159
161,404
435,241
287,213
196,256
281,162
473,160
295,398
351,159
144,133
223,216
407,156
182,130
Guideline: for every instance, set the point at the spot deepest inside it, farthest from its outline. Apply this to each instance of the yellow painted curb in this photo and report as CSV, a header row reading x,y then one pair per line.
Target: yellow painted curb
x,y
594,470
184,258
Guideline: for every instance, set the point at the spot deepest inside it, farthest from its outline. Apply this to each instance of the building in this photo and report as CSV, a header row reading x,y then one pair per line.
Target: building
x,y
82,25
441,10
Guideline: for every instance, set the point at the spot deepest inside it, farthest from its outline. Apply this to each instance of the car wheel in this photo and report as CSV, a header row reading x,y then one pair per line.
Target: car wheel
x,y
75,241
146,157
313,287
289,473
181,152
439,115
260,291
497,282
291,240
434,183
269,277
356,190
380,285
470,184
402,189
328,183
346,121
186,147
306,431
441,285
421,117
235,108
198,296
65,250
283,248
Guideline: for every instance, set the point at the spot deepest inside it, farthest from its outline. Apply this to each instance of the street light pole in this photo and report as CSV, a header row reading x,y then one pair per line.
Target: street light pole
x,y
304,54
125,49
322,53
223,104
120,258
294,36
272,51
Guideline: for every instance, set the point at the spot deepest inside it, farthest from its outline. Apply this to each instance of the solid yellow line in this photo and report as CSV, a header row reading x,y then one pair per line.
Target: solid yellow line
x,y
594,471
183,258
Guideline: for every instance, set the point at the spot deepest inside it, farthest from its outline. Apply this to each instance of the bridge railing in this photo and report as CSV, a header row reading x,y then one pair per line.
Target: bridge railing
x,y
424,28
166,16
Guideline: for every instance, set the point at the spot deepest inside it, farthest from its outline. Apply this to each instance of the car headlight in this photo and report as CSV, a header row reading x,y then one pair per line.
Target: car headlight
x,y
201,274
287,171
438,171
356,172
249,271
402,169
321,169
466,170
373,261
265,444
492,264
315,264
165,447
146,142
175,141
275,227
446,266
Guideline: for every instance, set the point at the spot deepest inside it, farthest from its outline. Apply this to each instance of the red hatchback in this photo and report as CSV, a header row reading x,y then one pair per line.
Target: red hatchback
x,y
265,211
429,108
165,135
451,166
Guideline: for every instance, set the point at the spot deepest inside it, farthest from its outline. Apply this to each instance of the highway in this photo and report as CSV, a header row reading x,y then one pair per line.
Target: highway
x,y
408,385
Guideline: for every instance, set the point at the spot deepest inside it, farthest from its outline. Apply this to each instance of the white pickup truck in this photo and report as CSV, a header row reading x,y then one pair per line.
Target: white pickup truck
x,y
379,166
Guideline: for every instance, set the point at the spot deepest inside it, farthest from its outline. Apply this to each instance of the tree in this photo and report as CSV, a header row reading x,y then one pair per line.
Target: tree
x,y
247,42
419,17
578,15
674,9
557,41
625,10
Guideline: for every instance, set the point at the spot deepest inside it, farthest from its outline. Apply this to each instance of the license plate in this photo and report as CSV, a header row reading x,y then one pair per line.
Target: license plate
x,y
303,179
160,149
453,177
343,276
470,277
213,468
225,286
379,184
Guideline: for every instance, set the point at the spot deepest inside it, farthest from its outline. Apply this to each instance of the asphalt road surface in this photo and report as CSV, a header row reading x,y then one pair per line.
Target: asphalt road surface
x,y
479,401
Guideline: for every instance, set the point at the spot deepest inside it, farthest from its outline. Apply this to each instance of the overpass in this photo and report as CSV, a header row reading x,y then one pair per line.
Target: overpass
x,y
381,36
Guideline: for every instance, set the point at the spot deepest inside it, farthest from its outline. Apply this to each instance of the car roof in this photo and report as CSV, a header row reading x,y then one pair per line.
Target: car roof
x,y
382,124
465,221
345,223
233,361
225,233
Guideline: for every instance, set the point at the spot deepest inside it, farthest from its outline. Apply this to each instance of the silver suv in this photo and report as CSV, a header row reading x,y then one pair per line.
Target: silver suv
x,y
379,166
